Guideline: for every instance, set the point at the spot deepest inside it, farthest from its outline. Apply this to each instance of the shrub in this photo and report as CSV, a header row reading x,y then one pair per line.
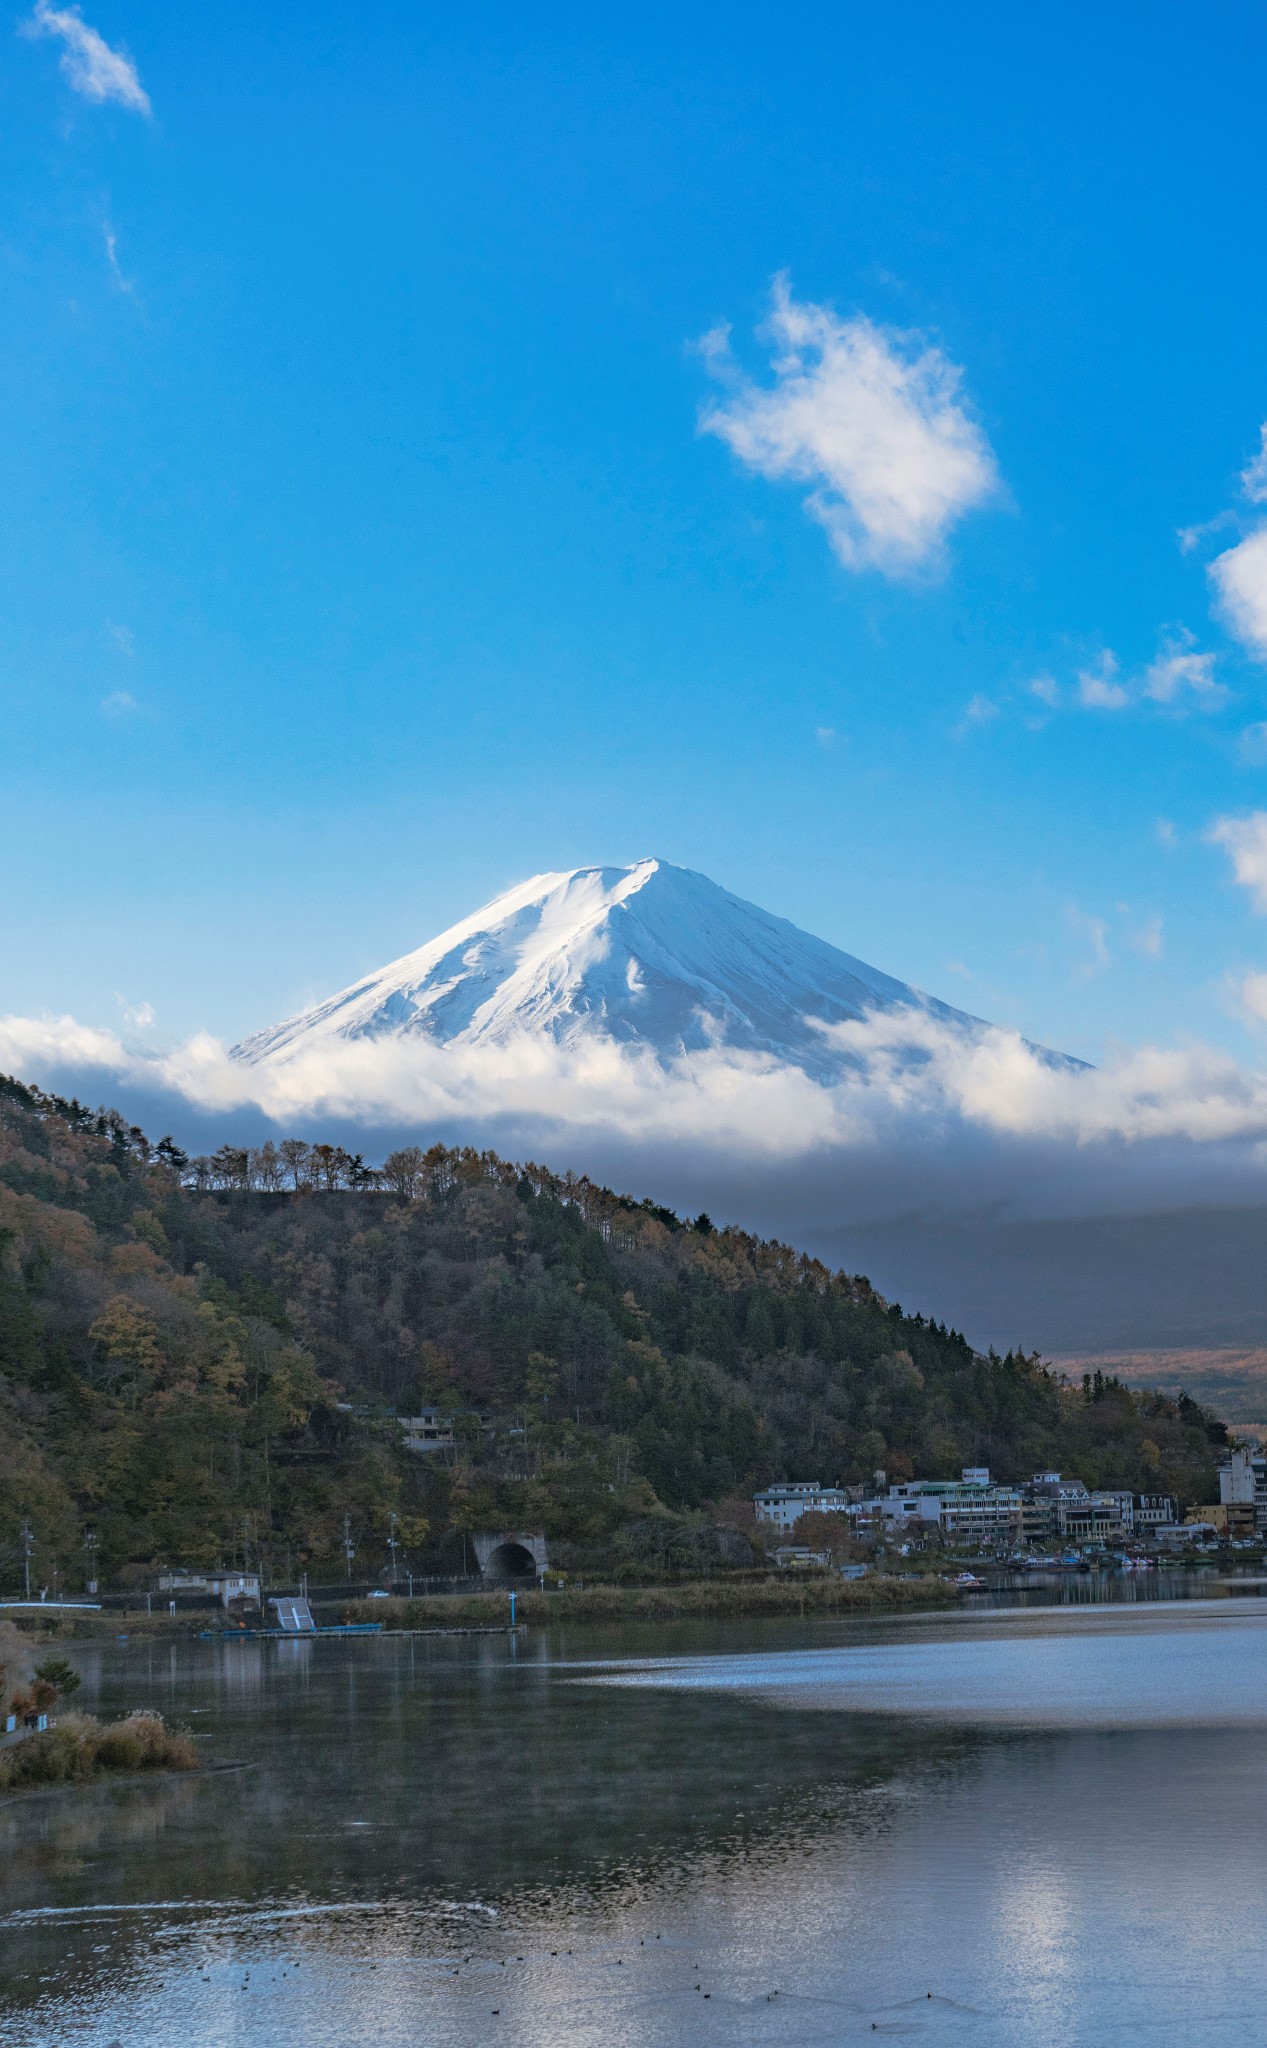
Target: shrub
x,y
79,1747
60,1674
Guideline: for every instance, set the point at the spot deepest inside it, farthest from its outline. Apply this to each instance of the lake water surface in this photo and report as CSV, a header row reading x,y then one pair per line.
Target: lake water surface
x,y
1037,1827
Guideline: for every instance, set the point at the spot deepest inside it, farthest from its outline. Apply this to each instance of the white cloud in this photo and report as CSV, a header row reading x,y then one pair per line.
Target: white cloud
x,y
119,704
1098,687
88,63
905,1077
1254,476
1046,689
1252,745
1178,669
1245,840
1240,579
870,418
1252,998
1165,832
1178,676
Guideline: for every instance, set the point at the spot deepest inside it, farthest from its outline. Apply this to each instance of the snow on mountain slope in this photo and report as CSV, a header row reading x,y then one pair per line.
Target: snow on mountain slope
x,y
651,956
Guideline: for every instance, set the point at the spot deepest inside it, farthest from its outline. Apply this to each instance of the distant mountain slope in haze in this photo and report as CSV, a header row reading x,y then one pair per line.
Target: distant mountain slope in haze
x,y
651,956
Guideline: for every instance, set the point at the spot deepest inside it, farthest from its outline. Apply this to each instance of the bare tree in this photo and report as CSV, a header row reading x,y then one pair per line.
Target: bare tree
x,y
267,1170
403,1172
296,1157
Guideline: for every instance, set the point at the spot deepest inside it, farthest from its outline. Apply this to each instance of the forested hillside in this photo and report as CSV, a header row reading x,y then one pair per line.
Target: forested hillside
x,y
200,1362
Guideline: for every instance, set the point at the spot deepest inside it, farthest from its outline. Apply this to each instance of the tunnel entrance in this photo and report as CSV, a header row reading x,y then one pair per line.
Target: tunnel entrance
x,y
511,1560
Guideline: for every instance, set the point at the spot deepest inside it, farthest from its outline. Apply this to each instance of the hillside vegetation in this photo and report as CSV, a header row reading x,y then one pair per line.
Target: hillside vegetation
x,y
199,1363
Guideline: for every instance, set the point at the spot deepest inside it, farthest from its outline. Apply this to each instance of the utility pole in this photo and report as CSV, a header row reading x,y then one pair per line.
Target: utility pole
x,y
90,1553
392,1542
28,1545
349,1548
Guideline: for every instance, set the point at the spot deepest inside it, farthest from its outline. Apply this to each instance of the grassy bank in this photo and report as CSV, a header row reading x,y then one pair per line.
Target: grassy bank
x,y
39,1628
785,1594
80,1748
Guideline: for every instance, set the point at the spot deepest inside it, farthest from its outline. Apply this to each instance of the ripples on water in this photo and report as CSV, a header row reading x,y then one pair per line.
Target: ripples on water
x,y
1050,1823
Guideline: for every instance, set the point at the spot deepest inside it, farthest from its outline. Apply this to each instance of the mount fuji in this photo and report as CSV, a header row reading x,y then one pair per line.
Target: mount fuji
x,y
653,957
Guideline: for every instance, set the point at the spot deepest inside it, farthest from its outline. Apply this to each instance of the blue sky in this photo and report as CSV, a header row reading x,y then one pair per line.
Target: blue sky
x,y
361,551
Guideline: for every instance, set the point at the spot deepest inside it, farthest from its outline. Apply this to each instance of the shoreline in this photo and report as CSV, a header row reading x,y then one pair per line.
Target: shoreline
x,y
693,1598
702,1598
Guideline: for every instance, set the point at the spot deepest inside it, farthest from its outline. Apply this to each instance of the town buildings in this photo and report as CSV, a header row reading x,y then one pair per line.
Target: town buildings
x,y
976,1509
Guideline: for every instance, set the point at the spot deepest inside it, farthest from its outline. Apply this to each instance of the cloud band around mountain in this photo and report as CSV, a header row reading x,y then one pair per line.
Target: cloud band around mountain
x,y
907,1080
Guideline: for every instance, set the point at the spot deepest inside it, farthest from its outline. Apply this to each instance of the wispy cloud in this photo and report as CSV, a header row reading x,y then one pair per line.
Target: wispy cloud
x,y
1180,678
122,283
979,710
119,704
1245,841
1098,686
87,62
1180,672
1094,931
1147,938
139,1015
870,418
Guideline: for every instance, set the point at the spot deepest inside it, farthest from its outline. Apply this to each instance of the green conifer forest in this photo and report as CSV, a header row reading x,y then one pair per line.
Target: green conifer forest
x,y
202,1362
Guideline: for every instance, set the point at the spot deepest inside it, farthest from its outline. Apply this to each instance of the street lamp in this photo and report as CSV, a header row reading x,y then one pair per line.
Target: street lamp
x,y
349,1548
392,1542
90,1557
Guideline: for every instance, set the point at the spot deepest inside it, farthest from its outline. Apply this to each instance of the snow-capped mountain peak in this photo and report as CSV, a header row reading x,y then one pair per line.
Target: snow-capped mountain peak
x,y
651,956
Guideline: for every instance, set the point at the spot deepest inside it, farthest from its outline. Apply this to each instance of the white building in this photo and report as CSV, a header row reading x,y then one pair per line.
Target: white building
x,y
430,1431
1153,1512
227,1586
784,1505
971,1508
1243,1483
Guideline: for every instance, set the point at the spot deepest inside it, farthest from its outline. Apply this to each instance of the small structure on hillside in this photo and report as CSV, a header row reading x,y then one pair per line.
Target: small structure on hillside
x,y
429,1431
504,1554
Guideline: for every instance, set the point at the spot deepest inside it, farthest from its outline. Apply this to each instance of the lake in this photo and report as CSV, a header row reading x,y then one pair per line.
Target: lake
x,y
998,1827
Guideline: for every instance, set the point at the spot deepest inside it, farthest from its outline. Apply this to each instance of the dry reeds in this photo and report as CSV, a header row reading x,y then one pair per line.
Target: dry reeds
x,y
79,1748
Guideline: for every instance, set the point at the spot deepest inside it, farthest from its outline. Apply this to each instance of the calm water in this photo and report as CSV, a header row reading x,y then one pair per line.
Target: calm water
x,y
992,1828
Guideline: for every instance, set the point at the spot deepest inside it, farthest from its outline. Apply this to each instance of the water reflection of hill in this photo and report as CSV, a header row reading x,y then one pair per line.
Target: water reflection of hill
x,y
382,1772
